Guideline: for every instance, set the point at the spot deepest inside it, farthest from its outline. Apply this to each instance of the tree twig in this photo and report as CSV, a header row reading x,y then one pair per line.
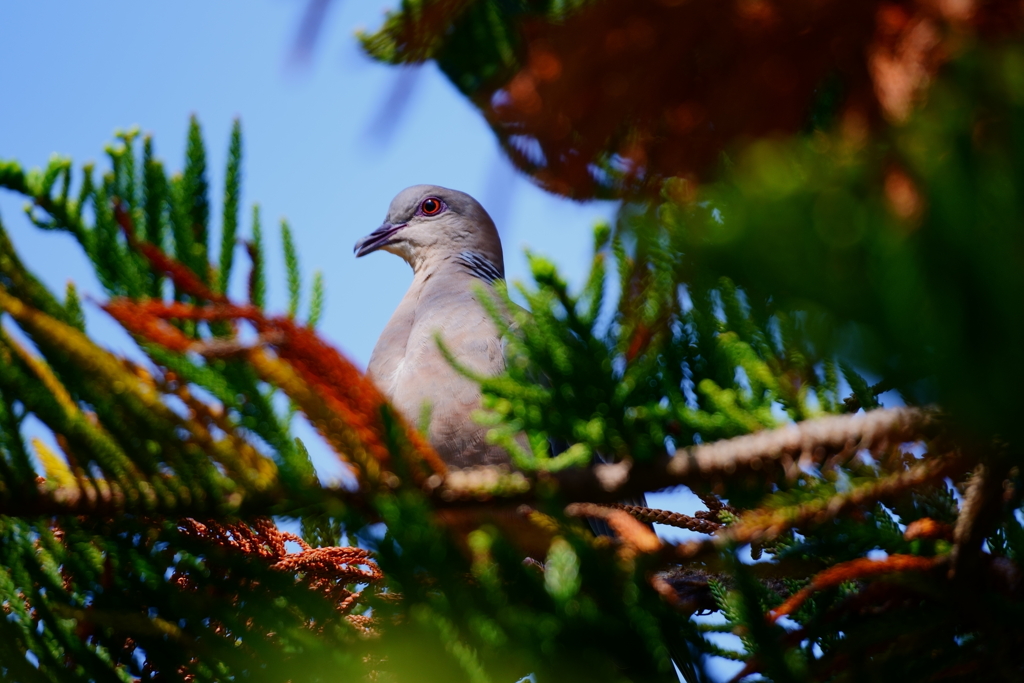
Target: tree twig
x,y
669,518
764,525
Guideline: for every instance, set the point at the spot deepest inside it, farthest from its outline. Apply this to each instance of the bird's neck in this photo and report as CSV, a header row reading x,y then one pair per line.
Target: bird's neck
x,y
467,262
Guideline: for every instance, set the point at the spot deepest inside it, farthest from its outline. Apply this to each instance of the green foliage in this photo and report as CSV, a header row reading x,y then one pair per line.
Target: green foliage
x,y
680,364
94,596
73,306
316,300
291,263
257,277
232,191
154,210
195,217
475,43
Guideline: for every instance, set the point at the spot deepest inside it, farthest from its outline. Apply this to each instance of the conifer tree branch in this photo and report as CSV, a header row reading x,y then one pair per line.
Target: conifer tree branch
x,y
981,504
669,518
763,525
700,466
46,500
867,430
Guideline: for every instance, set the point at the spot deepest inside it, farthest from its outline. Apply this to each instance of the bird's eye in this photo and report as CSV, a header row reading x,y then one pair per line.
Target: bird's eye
x,y
431,206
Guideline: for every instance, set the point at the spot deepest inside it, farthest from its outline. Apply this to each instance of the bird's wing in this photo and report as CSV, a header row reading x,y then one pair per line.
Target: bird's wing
x,y
446,306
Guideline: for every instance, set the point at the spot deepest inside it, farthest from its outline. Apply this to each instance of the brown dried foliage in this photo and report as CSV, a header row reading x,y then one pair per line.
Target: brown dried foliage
x,y
328,571
655,90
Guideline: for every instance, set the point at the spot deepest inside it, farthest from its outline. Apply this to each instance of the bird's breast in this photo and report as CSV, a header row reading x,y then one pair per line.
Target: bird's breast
x,y
410,369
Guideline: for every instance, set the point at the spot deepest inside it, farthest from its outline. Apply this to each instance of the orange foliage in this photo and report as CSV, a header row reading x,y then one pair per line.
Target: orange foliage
x,y
349,394
927,528
181,275
356,404
860,568
633,533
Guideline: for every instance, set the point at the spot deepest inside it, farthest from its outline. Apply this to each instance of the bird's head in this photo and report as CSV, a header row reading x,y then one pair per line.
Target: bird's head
x,y
427,224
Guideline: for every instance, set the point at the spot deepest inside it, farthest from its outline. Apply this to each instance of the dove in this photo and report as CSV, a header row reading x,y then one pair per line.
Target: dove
x,y
454,250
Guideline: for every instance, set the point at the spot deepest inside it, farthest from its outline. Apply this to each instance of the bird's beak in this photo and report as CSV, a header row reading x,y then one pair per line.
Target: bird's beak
x,y
378,238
